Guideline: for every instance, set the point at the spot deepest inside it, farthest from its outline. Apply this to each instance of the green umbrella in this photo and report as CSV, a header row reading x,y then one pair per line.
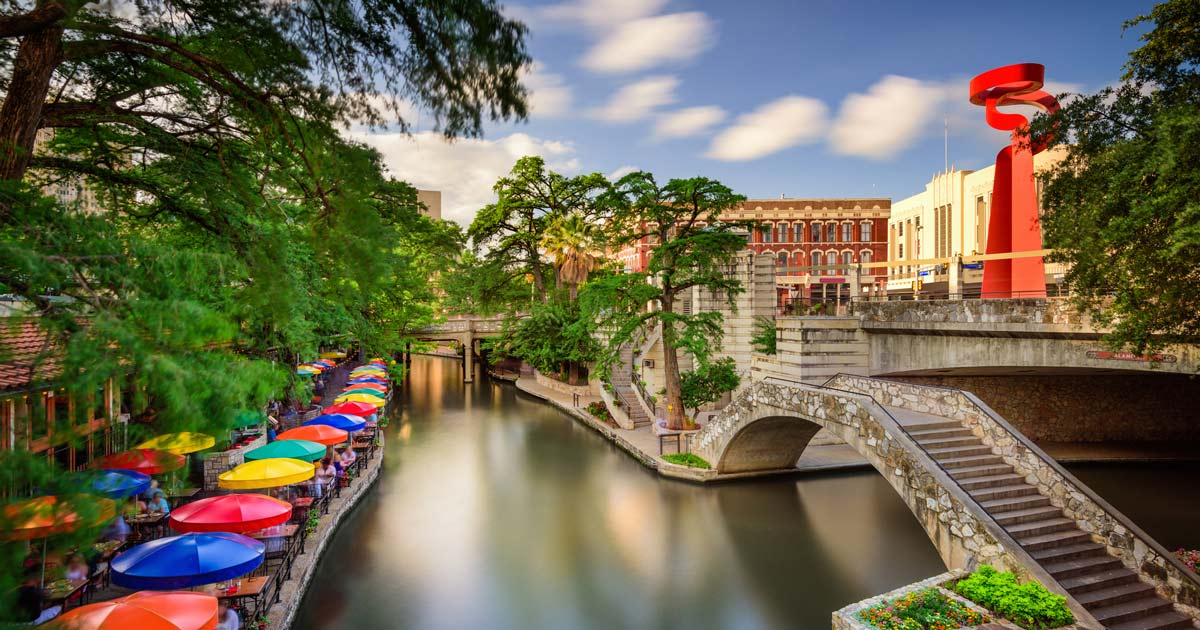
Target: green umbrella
x,y
288,449
364,390
248,419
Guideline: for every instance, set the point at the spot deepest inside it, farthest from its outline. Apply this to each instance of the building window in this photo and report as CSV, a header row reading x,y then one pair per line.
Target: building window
x,y
782,260
864,232
767,232
864,256
831,233
847,232
781,231
816,232
799,227
847,258
981,224
815,263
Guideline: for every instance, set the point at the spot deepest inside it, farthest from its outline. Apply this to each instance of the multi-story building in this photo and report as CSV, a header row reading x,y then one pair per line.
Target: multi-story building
x,y
433,203
947,220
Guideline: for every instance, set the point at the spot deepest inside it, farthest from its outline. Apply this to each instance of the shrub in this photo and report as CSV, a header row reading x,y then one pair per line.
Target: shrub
x,y
926,609
763,338
1029,605
686,459
600,410
1190,557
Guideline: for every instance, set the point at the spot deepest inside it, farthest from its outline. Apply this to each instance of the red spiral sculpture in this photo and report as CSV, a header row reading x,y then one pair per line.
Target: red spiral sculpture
x,y
1014,226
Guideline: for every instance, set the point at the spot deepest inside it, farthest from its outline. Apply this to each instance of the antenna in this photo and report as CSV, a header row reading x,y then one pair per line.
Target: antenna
x,y
946,122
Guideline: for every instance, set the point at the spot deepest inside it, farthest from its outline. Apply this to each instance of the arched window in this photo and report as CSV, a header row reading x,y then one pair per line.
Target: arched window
x,y
831,259
768,231
847,232
847,257
781,261
865,255
799,232
864,232
815,263
816,232
831,233
781,232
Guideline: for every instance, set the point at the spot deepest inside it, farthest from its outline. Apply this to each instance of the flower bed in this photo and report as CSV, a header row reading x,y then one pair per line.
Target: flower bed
x,y
925,609
1190,557
600,411
687,459
1029,605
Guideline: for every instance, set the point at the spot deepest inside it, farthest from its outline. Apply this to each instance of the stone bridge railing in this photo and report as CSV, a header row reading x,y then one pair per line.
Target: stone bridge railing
x,y
486,326
1125,540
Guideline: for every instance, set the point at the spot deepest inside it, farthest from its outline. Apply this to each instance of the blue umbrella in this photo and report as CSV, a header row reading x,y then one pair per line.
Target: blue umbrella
x,y
188,560
341,421
367,379
118,484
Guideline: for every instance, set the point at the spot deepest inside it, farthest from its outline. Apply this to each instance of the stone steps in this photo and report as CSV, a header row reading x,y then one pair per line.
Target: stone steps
x,y
953,463
1039,542
948,442
929,434
1045,526
1004,492
1163,621
991,481
1130,610
1076,567
1014,503
1097,581
1115,594
1026,515
1067,552
955,452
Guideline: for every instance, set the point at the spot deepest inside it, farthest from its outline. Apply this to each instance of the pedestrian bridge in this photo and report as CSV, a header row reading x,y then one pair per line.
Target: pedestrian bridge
x,y
982,491
465,331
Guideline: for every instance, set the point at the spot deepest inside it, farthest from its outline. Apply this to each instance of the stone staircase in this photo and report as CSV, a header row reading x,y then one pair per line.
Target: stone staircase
x,y
1100,583
622,382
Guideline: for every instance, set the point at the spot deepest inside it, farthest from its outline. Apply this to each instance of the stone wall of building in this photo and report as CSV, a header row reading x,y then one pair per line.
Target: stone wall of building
x,y
591,388
1088,408
1124,540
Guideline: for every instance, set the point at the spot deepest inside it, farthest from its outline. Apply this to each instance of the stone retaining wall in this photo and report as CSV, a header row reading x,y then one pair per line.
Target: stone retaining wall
x,y
564,388
217,463
1124,540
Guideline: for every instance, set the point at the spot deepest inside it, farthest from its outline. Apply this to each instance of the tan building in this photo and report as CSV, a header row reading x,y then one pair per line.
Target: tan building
x,y
947,220
70,190
433,202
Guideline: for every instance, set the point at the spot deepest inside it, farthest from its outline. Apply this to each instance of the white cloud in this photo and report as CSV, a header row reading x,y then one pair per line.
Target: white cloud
x,y
887,119
622,171
687,122
638,100
782,123
651,41
466,169
549,97
595,14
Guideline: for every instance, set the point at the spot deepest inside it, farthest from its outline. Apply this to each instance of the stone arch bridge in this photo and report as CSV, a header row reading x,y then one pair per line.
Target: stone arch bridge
x,y
982,491
465,331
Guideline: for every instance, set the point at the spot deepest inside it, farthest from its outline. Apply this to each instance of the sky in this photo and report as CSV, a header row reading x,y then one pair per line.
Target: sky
x,y
807,99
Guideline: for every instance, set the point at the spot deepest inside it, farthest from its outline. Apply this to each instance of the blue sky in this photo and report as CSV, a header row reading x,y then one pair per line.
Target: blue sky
x,y
807,99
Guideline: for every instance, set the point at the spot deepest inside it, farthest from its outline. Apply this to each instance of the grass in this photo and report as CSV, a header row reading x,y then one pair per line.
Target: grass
x,y
1029,605
686,459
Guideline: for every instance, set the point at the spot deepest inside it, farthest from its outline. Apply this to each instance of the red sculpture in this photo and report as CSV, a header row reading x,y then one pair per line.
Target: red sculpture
x,y
1014,226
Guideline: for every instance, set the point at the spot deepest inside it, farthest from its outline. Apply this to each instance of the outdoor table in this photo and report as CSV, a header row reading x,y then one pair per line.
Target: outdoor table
x,y
252,589
64,591
287,532
141,522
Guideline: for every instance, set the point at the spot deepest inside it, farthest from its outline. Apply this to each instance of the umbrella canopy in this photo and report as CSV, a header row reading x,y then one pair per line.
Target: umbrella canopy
x,y
319,433
180,443
304,371
117,483
341,421
356,391
41,517
266,473
353,409
230,513
245,419
361,398
186,560
288,449
324,362
371,380
334,354
376,387
143,460
144,610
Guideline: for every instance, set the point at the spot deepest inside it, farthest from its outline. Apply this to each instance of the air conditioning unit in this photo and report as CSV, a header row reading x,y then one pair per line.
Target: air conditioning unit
x,y
648,363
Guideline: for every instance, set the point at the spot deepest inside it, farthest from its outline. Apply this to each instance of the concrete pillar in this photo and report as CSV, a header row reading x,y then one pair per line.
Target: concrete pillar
x,y
469,358
955,285
855,282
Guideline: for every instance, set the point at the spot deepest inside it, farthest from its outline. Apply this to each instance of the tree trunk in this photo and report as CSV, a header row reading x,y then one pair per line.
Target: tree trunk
x,y
573,291
538,281
39,53
572,373
671,368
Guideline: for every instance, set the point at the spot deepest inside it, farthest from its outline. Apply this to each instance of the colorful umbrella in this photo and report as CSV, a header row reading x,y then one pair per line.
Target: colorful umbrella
x,y
288,449
116,483
361,398
335,354
144,610
180,443
353,408
325,363
266,473
42,517
143,460
319,433
341,421
366,388
186,560
362,392
230,513
367,380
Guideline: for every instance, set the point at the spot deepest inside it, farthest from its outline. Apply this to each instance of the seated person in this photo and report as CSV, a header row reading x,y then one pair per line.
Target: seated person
x,y
348,457
152,490
133,508
117,530
77,569
31,600
158,504
227,618
325,475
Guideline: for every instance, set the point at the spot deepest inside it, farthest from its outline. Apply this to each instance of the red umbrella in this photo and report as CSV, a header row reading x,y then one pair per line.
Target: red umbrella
x,y
230,513
46,516
145,610
319,433
353,408
143,460
374,386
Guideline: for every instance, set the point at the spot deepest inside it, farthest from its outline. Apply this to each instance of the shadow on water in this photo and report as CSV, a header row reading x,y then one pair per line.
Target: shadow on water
x,y
497,511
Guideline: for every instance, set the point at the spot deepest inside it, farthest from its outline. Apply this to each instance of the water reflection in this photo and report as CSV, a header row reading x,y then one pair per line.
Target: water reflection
x,y
496,511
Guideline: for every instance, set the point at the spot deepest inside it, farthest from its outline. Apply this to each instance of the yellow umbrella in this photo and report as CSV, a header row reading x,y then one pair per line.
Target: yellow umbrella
x,y
333,355
266,473
362,398
180,443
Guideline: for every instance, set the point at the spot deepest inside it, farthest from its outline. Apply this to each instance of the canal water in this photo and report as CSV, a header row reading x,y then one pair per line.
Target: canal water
x,y
497,511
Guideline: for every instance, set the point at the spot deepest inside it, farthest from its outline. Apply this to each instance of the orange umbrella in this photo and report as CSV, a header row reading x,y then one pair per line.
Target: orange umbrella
x,y
46,516
319,433
144,610
375,386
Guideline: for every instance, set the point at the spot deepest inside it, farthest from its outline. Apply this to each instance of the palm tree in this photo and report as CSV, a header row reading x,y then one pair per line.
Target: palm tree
x,y
571,240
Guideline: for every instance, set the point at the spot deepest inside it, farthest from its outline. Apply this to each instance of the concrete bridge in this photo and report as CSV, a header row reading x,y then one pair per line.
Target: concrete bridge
x,y
465,331
983,492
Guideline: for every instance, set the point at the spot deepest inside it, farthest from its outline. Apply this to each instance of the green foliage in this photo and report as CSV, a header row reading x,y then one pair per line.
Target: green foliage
x,y
600,410
1029,605
926,609
1123,207
708,383
686,459
548,337
764,336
